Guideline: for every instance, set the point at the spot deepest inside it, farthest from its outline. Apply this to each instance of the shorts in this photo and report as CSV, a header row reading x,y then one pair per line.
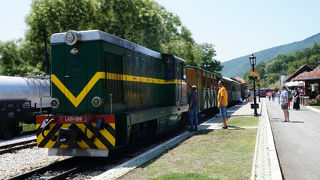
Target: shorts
x,y
223,111
284,106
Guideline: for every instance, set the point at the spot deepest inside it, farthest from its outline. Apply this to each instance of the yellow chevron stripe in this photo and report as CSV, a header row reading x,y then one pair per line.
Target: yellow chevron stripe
x,y
82,143
39,138
108,136
102,75
77,100
113,125
98,143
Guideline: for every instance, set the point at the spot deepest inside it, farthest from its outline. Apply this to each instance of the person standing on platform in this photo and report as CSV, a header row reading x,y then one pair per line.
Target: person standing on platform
x,y
193,109
284,103
289,98
250,95
296,99
222,103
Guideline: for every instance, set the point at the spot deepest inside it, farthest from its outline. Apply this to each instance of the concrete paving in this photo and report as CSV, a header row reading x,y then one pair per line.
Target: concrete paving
x,y
297,142
243,109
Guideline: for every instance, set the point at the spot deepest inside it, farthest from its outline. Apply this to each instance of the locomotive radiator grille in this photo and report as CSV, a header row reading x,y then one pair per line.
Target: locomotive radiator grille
x,y
76,135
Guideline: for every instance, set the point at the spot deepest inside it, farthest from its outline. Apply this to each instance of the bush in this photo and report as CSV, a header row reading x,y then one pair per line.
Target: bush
x,y
315,102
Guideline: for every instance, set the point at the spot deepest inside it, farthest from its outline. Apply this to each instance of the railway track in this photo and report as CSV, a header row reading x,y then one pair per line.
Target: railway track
x,y
86,165
9,148
58,170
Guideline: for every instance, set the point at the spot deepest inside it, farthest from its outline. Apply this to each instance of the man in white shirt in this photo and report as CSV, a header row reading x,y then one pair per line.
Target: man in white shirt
x,y
284,103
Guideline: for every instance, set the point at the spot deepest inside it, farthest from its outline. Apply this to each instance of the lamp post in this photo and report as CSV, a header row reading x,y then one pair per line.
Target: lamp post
x,y
259,91
252,59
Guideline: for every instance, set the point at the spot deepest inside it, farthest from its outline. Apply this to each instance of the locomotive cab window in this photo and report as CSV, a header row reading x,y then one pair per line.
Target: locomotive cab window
x,y
143,63
183,71
137,62
74,60
129,59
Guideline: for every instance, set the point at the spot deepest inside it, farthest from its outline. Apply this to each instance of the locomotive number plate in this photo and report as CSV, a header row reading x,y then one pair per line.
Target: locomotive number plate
x,y
73,119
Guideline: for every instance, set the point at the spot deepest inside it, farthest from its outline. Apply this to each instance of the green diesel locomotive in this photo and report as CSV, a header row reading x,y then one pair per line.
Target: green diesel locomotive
x,y
108,92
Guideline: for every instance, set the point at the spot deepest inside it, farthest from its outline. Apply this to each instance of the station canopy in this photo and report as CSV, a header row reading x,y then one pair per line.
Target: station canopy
x,y
295,83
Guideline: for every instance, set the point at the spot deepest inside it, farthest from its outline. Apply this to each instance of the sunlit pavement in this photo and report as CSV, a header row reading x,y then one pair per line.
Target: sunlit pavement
x,y
297,142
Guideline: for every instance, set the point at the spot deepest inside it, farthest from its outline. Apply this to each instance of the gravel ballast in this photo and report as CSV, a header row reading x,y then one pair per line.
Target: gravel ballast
x,y
25,160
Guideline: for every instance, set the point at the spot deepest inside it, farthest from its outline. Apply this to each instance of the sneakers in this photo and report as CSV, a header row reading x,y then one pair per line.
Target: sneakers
x,y
225,127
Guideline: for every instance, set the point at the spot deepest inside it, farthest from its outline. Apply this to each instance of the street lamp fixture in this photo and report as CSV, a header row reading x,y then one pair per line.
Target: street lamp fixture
x,y
252,59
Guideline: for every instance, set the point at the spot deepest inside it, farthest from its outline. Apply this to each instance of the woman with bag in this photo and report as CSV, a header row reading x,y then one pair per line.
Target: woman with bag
x,y
296,101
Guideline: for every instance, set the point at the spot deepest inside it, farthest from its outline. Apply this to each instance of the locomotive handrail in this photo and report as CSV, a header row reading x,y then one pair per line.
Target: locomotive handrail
x,y
45,126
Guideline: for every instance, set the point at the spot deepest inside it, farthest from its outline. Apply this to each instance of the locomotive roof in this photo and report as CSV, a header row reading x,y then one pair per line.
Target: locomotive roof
x,y
195,67
94,35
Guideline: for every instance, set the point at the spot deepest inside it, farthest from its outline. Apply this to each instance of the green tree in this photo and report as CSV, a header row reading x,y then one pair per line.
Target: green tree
x,y
140,21
56,16
15,59
207,54
260,67
144,22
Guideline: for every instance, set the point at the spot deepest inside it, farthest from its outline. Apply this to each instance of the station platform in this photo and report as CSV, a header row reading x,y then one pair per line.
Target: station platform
x,y
297,141
265,163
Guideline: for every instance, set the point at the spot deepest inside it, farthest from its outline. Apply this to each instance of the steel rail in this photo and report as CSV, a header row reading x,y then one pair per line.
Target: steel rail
x,y
17,146
57,170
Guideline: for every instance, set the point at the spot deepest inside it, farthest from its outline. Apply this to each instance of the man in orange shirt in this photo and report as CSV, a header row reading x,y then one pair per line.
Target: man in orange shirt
x,y
222,103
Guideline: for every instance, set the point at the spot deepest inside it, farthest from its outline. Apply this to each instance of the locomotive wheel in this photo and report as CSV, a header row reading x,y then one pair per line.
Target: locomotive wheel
x,y
135,136
142,133
151,131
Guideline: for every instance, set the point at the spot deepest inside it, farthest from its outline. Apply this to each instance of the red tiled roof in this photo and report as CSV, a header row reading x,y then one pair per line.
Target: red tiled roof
x,y
300,70
239,79
315,74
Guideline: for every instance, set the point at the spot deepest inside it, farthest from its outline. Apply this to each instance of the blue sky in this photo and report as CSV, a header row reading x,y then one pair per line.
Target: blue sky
x,y
235,27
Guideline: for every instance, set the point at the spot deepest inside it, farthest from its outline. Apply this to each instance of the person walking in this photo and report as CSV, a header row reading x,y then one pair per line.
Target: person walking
x,y
273,95
222,103
269,95
193,109
296,99
284,103
278,95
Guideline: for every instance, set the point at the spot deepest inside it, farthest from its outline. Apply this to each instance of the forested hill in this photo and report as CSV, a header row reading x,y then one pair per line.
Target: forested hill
x,y
237,66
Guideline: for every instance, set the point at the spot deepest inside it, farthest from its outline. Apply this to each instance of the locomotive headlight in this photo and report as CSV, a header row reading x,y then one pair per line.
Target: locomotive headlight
x,y
96,101
55,103
71,37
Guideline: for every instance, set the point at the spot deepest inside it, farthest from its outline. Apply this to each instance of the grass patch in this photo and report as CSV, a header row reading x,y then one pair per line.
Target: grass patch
x,y
317,107
222,154
243,121
28,127
188,176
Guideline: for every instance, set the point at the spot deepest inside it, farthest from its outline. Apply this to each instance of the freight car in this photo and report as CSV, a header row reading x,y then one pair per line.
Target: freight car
x,y
20,97
233,89
108,92
207,84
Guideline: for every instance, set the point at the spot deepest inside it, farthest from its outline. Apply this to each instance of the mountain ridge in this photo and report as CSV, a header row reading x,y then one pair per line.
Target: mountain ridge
x,y
237,66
